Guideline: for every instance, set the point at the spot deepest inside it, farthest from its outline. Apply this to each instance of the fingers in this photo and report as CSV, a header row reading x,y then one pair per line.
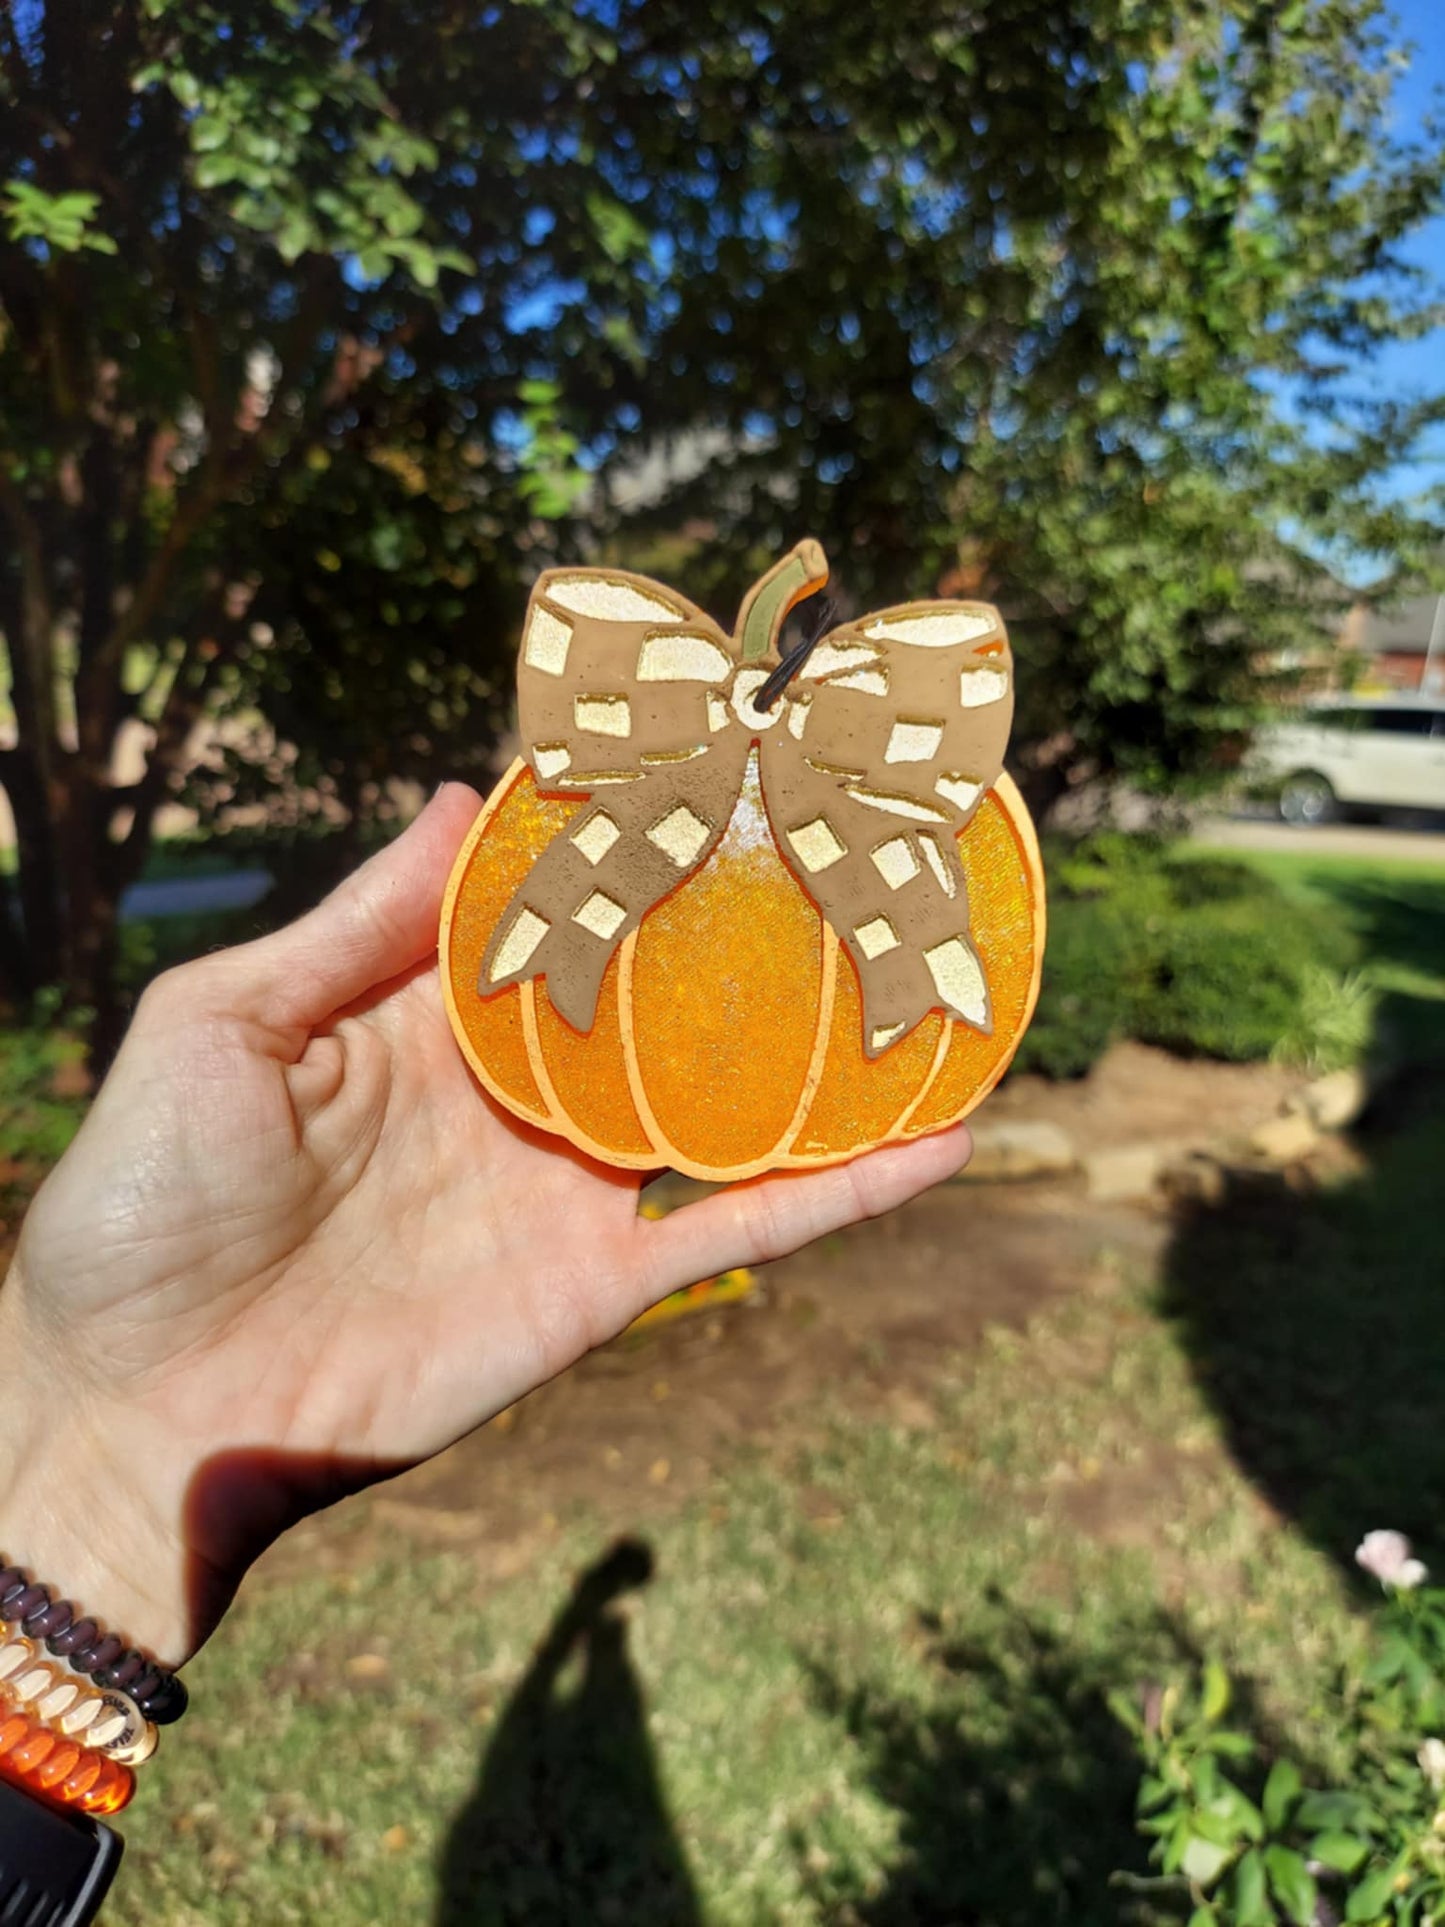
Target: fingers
x,y
769,1217
380,922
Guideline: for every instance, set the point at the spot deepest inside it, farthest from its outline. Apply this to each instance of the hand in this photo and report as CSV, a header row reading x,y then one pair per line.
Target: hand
x,y
294,1248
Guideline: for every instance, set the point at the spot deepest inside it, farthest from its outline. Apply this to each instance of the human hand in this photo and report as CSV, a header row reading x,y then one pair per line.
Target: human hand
x,y
294,1248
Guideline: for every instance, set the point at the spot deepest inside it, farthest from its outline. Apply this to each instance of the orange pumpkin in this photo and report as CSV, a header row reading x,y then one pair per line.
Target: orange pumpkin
x,y
729,1031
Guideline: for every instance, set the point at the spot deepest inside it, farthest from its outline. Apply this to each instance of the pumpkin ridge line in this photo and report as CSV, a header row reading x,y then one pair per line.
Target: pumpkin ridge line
x,y
823,1030
461,865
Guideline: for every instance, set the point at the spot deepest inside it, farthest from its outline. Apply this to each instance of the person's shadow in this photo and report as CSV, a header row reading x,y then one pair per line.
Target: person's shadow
x,y
568,1824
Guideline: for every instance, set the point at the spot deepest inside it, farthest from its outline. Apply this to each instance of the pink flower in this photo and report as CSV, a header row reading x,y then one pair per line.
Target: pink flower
x,y
1386,1556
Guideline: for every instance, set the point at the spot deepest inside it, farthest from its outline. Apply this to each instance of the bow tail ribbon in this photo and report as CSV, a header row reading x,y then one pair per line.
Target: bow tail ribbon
x,y
636,840
892,888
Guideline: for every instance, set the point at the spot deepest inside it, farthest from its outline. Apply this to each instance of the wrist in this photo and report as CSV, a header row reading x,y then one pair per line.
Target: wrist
x,y
74,1511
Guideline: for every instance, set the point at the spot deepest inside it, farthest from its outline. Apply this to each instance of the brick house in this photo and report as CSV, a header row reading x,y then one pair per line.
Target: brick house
x,y
1402,647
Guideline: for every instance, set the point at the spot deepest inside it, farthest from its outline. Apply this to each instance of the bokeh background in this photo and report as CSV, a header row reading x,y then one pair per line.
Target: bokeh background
x,y
874,1588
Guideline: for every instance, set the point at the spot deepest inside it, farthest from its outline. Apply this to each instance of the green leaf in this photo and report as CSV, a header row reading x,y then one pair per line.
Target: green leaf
x,y
1238,1811
1368,1900
208,133
1281,1790
214,170
1124,1706
1251,1901
401,217
1291,1883
1331,1813
294,236
1345,1852
1214,1701
538,394
1153,1792
1175,1847
1233,1746
619,231
59,220
1214,1826
1203,1860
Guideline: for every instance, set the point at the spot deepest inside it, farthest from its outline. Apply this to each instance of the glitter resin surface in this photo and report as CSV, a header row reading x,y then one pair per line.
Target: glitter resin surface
x,y
728,1034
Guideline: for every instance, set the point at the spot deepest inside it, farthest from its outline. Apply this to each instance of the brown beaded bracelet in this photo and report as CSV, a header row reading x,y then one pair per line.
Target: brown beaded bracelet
x,y
86,1648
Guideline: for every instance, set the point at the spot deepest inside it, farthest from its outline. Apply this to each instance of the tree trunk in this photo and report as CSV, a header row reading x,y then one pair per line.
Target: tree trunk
x,y
68,898
13,986
93,984
40,940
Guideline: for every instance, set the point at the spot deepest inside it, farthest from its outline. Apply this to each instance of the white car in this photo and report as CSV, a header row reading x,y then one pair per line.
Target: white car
x,y
1385,752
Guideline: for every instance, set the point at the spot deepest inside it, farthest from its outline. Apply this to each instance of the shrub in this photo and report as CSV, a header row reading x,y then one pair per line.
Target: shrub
x,y
1334,1021
1202,956
1227,979
1084,1001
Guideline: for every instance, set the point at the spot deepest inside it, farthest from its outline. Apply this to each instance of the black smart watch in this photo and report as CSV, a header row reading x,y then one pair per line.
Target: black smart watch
x,y
55,1867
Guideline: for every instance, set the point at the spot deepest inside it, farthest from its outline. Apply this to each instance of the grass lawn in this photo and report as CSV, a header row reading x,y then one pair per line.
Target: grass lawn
x,y
884,1710
862,1682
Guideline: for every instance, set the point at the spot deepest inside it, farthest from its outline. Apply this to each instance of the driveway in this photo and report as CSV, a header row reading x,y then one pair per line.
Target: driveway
x,y
1388,841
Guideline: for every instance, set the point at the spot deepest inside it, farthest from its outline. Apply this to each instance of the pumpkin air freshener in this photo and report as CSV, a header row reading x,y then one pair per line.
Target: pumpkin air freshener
x,y
738,910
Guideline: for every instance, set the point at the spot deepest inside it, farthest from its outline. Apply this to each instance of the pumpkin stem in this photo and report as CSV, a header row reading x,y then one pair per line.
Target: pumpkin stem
x,y
765,606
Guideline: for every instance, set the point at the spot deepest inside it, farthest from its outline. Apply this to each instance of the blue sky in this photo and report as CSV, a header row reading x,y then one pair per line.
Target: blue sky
x,y
1416,366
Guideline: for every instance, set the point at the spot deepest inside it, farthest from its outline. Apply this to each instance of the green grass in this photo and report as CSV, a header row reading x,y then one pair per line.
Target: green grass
x,y
882,1707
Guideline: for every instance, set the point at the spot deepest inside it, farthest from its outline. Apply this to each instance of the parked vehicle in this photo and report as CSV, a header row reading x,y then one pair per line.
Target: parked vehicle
x,y
1385,752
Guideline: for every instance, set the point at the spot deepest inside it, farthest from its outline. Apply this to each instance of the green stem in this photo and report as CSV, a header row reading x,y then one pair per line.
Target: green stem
x,y
765,606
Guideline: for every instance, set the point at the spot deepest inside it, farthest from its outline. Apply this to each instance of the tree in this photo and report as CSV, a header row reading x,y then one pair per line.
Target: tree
x,y
1063,301
271,444
321,324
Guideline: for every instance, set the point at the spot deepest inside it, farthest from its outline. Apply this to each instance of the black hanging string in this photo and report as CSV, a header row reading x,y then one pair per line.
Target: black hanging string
x,y
817,623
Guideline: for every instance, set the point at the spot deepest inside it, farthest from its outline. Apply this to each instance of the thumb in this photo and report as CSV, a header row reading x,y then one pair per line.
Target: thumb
x,y
377,924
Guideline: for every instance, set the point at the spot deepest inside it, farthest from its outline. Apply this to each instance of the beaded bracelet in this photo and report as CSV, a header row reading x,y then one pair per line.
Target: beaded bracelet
x,y
88,1650
104,1718
79,1709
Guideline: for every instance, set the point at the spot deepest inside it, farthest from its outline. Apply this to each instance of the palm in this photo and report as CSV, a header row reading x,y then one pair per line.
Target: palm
x,y
362,1227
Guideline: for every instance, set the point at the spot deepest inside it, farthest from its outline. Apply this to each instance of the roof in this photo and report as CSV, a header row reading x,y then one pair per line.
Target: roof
x,y
1403,630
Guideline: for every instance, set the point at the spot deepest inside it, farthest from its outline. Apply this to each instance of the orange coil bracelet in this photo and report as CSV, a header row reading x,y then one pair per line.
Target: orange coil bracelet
x,y
45,1763
79,1709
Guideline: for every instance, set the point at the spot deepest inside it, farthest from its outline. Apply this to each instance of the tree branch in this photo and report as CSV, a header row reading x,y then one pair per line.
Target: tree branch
x,y
211,646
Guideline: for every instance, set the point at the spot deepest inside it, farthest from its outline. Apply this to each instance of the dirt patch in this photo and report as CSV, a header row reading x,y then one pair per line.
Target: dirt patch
x,y
1136,1094
872,1316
